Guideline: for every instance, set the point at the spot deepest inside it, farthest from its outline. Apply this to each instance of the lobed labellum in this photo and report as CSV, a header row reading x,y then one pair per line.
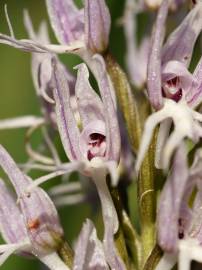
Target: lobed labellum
x,y
172,89
97,146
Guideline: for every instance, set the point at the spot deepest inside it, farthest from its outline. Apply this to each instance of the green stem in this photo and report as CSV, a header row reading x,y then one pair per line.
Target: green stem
x,y
133,240
153,259
120,240
147,203
135,109
127,103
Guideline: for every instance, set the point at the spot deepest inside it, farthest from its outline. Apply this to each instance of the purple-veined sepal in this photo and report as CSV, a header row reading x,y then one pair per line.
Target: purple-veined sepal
x,y
97,25
40,216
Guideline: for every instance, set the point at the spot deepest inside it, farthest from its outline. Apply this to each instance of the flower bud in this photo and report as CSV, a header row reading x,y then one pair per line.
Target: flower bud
x,y
97,25
38,211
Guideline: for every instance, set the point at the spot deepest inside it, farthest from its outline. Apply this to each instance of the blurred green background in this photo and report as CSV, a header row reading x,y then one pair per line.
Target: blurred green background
x,y
17,98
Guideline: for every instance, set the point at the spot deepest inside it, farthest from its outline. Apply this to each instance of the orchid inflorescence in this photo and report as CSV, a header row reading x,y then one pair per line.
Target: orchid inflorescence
x,y
116,132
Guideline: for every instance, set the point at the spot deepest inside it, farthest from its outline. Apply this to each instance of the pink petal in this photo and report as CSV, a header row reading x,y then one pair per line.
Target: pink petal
x,y
89,254
39,213
66,20
154,61
170,202
12,224
67,125
180,43
174,69
111,119
93,127
89,103
97,25
195,96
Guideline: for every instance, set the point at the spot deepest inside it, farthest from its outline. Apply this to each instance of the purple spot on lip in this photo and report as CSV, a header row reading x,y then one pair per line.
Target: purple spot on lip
x,y
174,83
96,140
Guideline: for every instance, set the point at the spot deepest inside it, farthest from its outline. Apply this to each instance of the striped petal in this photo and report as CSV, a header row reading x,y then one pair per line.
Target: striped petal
x,y
111,119
67,125
89,103
97,25
170,202
89,253
180,43
39,213
12,224
154,61
66,20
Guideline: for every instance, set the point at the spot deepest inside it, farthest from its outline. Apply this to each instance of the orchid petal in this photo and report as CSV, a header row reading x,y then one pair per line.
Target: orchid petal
x,y
198,71
66,200
180,43
98,127
4,256
28,45
70,167
53,261
174,69
154,61
163,134
42,70
189,249
67,125
170,202
8,249
110,218
89,103
167,262
12,224
112,168
98,173
149,127
195,96
112,127
97,25
8,21
65,188
40,215
21,122
24,45
66,20
88,252
135,55
195,224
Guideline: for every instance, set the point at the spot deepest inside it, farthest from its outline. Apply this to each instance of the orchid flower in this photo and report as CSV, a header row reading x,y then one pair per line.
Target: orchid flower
x,y
42,70
31,226
96,148
89,251
75,29
179,224
173,91
135,54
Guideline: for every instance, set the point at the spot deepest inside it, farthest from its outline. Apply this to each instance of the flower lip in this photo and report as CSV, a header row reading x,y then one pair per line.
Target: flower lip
x,y
93,140
172,89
